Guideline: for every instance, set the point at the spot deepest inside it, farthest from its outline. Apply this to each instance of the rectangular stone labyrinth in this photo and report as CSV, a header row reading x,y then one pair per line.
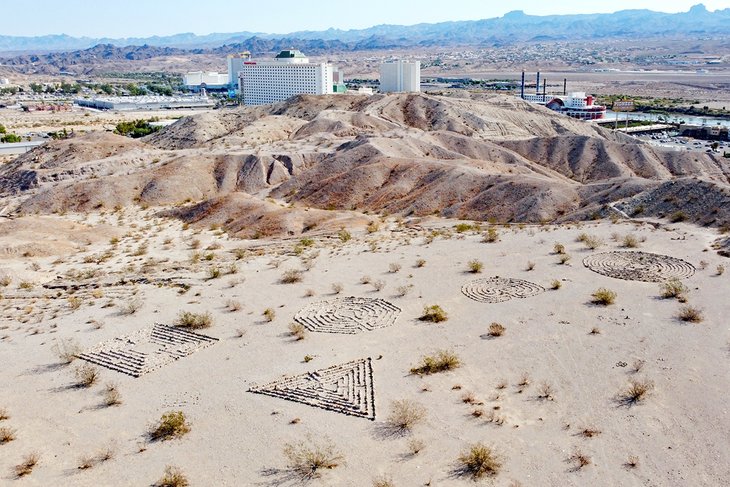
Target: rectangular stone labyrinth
x,y
147,349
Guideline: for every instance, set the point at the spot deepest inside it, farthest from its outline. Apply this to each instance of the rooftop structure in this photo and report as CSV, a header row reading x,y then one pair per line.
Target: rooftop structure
x,y
400,76
289,74
123,103
198,80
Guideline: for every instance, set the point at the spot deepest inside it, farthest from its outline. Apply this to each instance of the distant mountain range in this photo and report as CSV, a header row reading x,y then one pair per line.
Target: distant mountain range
x,y
512,27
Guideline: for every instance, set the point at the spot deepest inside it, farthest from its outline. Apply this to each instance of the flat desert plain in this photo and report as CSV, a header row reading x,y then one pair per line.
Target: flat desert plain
x,y
325,361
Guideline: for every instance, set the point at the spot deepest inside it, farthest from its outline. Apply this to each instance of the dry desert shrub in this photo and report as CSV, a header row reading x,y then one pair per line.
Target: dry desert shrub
x,y
635,392
673,289
378,285
475,266
580,459
404,290
232,305
477,461
27,465
194,321
67,350
383,481
556,284
373,227
590,432
404,415
720,269
593,242
491,235
434,314
420,262
637,365
130,307
564,259
595,331
4,414
298,331
269,314
394,267
112,396
603,297
366,280
86,462
337,287
441,361
344,235
496,330
559,248
86,375
415,446
291,276
630,241
690,314
546,392
5,281
6,435
174,477
171,425
632,461
307,460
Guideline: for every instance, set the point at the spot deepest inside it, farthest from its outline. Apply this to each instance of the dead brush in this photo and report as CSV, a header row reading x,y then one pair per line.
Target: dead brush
x,y
86,375
635,392
496,330
404,415
308,460
580,459
477,461
27,465
173,477
298,331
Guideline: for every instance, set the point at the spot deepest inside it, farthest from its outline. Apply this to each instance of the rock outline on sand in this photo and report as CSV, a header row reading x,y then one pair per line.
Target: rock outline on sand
x,y
346,389
499,289
122,354
348,315
639,266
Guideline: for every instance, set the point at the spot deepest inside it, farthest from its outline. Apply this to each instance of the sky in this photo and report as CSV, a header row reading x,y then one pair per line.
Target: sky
x,y
143,18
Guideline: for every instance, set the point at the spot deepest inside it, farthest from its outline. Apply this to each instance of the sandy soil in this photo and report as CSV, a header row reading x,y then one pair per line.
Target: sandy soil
x,y
678,432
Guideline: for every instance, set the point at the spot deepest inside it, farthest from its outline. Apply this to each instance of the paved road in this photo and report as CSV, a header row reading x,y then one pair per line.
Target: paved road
x,y
19,147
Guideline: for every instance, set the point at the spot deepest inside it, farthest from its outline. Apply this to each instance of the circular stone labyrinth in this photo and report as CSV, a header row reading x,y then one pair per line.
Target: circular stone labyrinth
x,y
348,315
499,289
639,266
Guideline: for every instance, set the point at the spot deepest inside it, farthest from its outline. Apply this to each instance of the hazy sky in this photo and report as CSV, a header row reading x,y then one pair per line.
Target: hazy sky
x,y
131,18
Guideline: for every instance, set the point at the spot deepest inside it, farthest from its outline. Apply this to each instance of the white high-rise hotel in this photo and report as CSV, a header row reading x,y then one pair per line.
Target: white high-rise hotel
x,y
399,76
289,74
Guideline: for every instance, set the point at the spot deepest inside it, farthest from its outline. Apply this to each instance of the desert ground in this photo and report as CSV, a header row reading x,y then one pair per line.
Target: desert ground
x,y
257,297
586,354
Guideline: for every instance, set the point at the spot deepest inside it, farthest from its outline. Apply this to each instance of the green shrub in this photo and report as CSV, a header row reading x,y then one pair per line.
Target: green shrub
x,y
171,425
434,314
442,361
604,296
194,321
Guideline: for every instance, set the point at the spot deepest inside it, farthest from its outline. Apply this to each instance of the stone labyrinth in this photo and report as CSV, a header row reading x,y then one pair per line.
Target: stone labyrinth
x,y
346,389
147,349
639,266
499,289
348,315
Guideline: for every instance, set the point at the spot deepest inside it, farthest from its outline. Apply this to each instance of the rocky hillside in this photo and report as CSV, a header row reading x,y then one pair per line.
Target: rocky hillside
x,y
283,169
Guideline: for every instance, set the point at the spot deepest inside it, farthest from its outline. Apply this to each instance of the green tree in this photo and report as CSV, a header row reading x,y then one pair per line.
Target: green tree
x,y
2,129
36,87
10,138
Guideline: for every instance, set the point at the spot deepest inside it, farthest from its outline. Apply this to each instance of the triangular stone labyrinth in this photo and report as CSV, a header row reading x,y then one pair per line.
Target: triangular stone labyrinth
x,y
346,389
